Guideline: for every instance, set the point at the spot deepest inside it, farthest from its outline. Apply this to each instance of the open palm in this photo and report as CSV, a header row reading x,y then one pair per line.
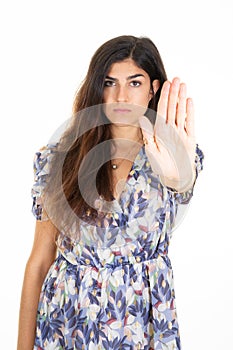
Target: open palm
x,y
170,144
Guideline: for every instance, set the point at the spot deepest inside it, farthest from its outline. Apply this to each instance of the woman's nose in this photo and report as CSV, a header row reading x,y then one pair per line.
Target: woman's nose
x,y
122,94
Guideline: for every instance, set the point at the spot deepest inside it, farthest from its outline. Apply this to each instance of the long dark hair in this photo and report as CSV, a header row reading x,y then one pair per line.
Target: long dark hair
x,y
89,127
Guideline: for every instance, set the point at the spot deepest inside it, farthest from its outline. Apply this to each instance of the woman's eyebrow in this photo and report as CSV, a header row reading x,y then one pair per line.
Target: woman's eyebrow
x,y
135,76
128,78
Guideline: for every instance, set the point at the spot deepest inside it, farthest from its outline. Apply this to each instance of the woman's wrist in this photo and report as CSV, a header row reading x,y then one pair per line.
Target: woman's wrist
x,y
180,185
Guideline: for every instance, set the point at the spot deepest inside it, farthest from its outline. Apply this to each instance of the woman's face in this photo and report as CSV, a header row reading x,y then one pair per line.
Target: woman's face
x,y
127,92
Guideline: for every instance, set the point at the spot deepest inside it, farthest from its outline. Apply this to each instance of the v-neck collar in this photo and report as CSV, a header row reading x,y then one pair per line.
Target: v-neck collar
x,y
118,205
137,166
140,159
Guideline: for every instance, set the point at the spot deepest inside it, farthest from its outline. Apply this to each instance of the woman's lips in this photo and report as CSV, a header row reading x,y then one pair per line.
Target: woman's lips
x,y
121,110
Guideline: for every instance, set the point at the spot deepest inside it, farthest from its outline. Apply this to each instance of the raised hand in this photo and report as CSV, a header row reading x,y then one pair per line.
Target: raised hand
x,y
170,145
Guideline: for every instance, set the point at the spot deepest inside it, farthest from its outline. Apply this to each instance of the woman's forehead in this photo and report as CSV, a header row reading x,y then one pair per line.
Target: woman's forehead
x,y
126,68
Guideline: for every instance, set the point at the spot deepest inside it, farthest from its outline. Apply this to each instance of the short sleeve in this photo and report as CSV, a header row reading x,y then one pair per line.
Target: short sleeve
x,y
184,197
41,165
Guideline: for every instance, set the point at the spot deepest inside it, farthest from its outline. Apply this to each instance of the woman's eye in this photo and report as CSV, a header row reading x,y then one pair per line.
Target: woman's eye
x,y
135,83
108,83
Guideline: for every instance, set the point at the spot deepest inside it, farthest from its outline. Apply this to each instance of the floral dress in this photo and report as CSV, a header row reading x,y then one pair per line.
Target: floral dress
x,y
113,288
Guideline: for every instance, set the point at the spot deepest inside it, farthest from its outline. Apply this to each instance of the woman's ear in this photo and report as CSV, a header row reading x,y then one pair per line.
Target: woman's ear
x,y
156,85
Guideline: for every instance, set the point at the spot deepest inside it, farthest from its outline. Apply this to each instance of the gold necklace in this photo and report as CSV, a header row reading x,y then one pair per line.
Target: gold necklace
x,y
115,166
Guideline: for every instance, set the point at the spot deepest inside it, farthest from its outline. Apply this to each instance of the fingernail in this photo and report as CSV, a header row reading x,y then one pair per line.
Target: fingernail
x,y
176,81
190,102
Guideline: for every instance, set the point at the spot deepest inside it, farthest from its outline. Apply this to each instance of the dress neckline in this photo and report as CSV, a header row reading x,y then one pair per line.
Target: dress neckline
x,y
137,165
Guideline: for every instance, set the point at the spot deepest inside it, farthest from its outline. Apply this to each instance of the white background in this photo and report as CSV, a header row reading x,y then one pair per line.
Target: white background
x,y
46,47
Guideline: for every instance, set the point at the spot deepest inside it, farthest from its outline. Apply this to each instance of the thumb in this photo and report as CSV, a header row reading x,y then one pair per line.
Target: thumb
x,y
146,127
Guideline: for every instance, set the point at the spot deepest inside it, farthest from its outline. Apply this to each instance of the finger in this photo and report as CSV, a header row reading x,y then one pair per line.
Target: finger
x,y
146,127
163,100
189,126
172,101
151,147
181,108
147,130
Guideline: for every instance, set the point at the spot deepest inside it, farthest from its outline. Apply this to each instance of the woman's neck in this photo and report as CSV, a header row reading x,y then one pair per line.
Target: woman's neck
x,y
128,132
126,138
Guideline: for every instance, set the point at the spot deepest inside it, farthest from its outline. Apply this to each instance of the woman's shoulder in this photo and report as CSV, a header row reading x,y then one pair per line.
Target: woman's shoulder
x,y
47,149
43,156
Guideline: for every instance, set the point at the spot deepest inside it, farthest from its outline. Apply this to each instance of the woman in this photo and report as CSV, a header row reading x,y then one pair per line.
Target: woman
x,y
106,199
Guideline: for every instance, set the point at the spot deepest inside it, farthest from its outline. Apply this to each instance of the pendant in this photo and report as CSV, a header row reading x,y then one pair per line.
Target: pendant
x,y
114,166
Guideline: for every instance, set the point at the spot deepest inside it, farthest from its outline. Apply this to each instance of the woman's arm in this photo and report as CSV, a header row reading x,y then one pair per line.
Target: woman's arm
x,y
42,256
